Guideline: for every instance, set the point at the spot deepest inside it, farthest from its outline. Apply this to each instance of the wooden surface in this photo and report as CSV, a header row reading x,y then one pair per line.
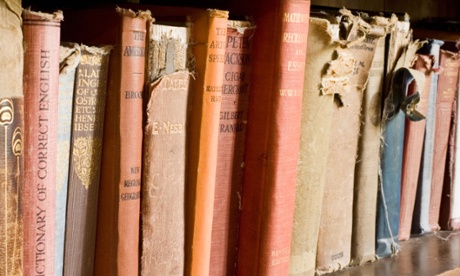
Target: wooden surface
x,y
428,255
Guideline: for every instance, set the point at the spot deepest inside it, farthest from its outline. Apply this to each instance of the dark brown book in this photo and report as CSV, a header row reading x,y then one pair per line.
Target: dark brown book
x,y
165,152
230,158
85,160
117,238
273,136
41,84
11,141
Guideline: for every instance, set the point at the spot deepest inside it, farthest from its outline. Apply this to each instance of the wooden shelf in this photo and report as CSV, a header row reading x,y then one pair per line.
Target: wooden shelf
x,y
427,255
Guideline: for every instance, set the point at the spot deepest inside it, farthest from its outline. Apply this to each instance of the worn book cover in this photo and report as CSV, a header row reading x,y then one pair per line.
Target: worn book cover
x,y
12,141
413,147
367,163
69,57
117,238
230,151
315,131
422,201
165,152
449,63
41,85
272,141
397,106
85,159
355,58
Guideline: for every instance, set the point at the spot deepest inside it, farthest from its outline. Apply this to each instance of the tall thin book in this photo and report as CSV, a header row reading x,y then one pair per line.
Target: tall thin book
x,y
117,238
272,143
41,84
12,141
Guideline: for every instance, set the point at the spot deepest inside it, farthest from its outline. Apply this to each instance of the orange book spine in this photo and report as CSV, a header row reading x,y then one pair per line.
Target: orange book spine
x,y
232,134
41,82
209,37
273,137
117,238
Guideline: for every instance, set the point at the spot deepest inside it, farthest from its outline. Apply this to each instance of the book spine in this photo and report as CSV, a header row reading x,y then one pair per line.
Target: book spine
x,y
367,165
387,222
117,241
447,87
11,143
316,122
334,247
413,147
273,133
68,61
85,160
41,83
230,159
447,189
422,202
163,181
454,216
209,34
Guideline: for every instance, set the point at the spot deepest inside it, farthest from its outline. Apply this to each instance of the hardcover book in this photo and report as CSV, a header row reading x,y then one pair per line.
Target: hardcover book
x,y
117,238
85,159
367,163
454,214
398,39
12,142
413,146
163,204
69,57
422,201
165,152
41,85
272,141
209,28
356,57
396,107
230,151
449,63
315,130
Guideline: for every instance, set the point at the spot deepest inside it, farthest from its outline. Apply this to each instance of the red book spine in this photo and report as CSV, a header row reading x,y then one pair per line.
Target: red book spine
x,y
230,152
447,87
273,137
41,83
413,146
118,217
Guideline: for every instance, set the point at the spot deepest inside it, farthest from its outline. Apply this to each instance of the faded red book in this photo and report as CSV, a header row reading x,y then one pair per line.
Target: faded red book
x,y
230,151
41,84
447,87
118,219
413,145
273,137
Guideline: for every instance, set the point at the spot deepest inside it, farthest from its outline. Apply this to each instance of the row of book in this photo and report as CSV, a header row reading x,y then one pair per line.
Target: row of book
x,y
192,144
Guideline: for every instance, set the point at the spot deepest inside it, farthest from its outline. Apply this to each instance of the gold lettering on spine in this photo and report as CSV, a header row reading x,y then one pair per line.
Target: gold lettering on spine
x,y
85,168
6,119
296,17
